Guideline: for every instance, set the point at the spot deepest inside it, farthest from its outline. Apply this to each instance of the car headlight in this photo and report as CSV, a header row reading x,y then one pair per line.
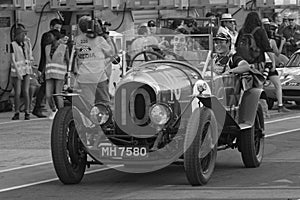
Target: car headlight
x,y
100,114
160,114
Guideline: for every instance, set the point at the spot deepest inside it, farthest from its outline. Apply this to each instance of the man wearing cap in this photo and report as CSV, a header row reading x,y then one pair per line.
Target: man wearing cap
x,y
224,62
228,26
222,46
292,35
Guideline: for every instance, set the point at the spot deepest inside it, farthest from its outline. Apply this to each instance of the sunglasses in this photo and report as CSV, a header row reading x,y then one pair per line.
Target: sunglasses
x,y
151,25
291,20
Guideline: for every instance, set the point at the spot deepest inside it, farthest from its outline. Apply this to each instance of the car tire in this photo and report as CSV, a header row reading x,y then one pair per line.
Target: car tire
x,y
270,103
68,155
252,141
199,170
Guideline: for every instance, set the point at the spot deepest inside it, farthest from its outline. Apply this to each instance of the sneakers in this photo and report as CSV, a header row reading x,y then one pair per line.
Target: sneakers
x,y
38,113
52,114
27,116
283,109
16,116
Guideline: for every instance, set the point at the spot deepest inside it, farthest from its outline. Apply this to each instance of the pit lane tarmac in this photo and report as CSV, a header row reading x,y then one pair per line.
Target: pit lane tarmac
x,y
277,178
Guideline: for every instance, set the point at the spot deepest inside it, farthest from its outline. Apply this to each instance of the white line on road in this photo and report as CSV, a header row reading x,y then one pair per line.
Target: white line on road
x,y
49,162
23,167
43,163
27,185
282,119
98,170
103,169
18,121
42,119
282,132
177,187
50,180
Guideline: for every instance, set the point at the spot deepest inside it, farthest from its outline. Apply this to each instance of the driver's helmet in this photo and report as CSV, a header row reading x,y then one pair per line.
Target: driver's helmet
x,y
221,56
222,36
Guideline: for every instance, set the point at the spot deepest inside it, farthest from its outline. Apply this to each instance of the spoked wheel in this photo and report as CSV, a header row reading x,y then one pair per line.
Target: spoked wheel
x,y
68,155
252,141
200,147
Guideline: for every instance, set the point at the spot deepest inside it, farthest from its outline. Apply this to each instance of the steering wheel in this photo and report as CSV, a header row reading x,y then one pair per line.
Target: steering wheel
x,y
167,53
146,54
159,53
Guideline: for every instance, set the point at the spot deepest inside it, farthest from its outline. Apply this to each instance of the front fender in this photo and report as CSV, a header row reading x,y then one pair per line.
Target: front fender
x,y
78,101
249,104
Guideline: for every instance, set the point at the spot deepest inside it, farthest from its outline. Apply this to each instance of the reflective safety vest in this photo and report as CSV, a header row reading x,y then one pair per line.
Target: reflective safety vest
x,y
56,67
22,66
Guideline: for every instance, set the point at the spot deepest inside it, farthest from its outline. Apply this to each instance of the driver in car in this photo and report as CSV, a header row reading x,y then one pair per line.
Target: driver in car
x,y
225,63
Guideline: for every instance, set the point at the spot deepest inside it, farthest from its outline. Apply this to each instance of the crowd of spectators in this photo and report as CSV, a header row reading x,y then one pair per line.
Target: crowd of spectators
x,y
282,31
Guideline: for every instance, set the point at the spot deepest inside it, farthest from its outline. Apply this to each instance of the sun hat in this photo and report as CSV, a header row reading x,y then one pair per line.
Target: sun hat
x,y
265,21
227,17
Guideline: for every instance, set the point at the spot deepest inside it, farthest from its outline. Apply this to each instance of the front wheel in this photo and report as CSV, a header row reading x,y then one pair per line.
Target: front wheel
x,y
68,155
200,146
252,141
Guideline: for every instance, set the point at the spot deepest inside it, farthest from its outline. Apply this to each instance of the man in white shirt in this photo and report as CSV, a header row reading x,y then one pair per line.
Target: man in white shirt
x,y
228,26
92,58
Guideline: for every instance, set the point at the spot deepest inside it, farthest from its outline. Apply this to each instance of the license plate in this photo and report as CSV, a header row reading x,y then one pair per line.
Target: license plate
x,y
113,151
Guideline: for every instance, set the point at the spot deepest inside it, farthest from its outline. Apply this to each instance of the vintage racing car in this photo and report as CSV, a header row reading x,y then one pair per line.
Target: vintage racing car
x,y
164,109
290,82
